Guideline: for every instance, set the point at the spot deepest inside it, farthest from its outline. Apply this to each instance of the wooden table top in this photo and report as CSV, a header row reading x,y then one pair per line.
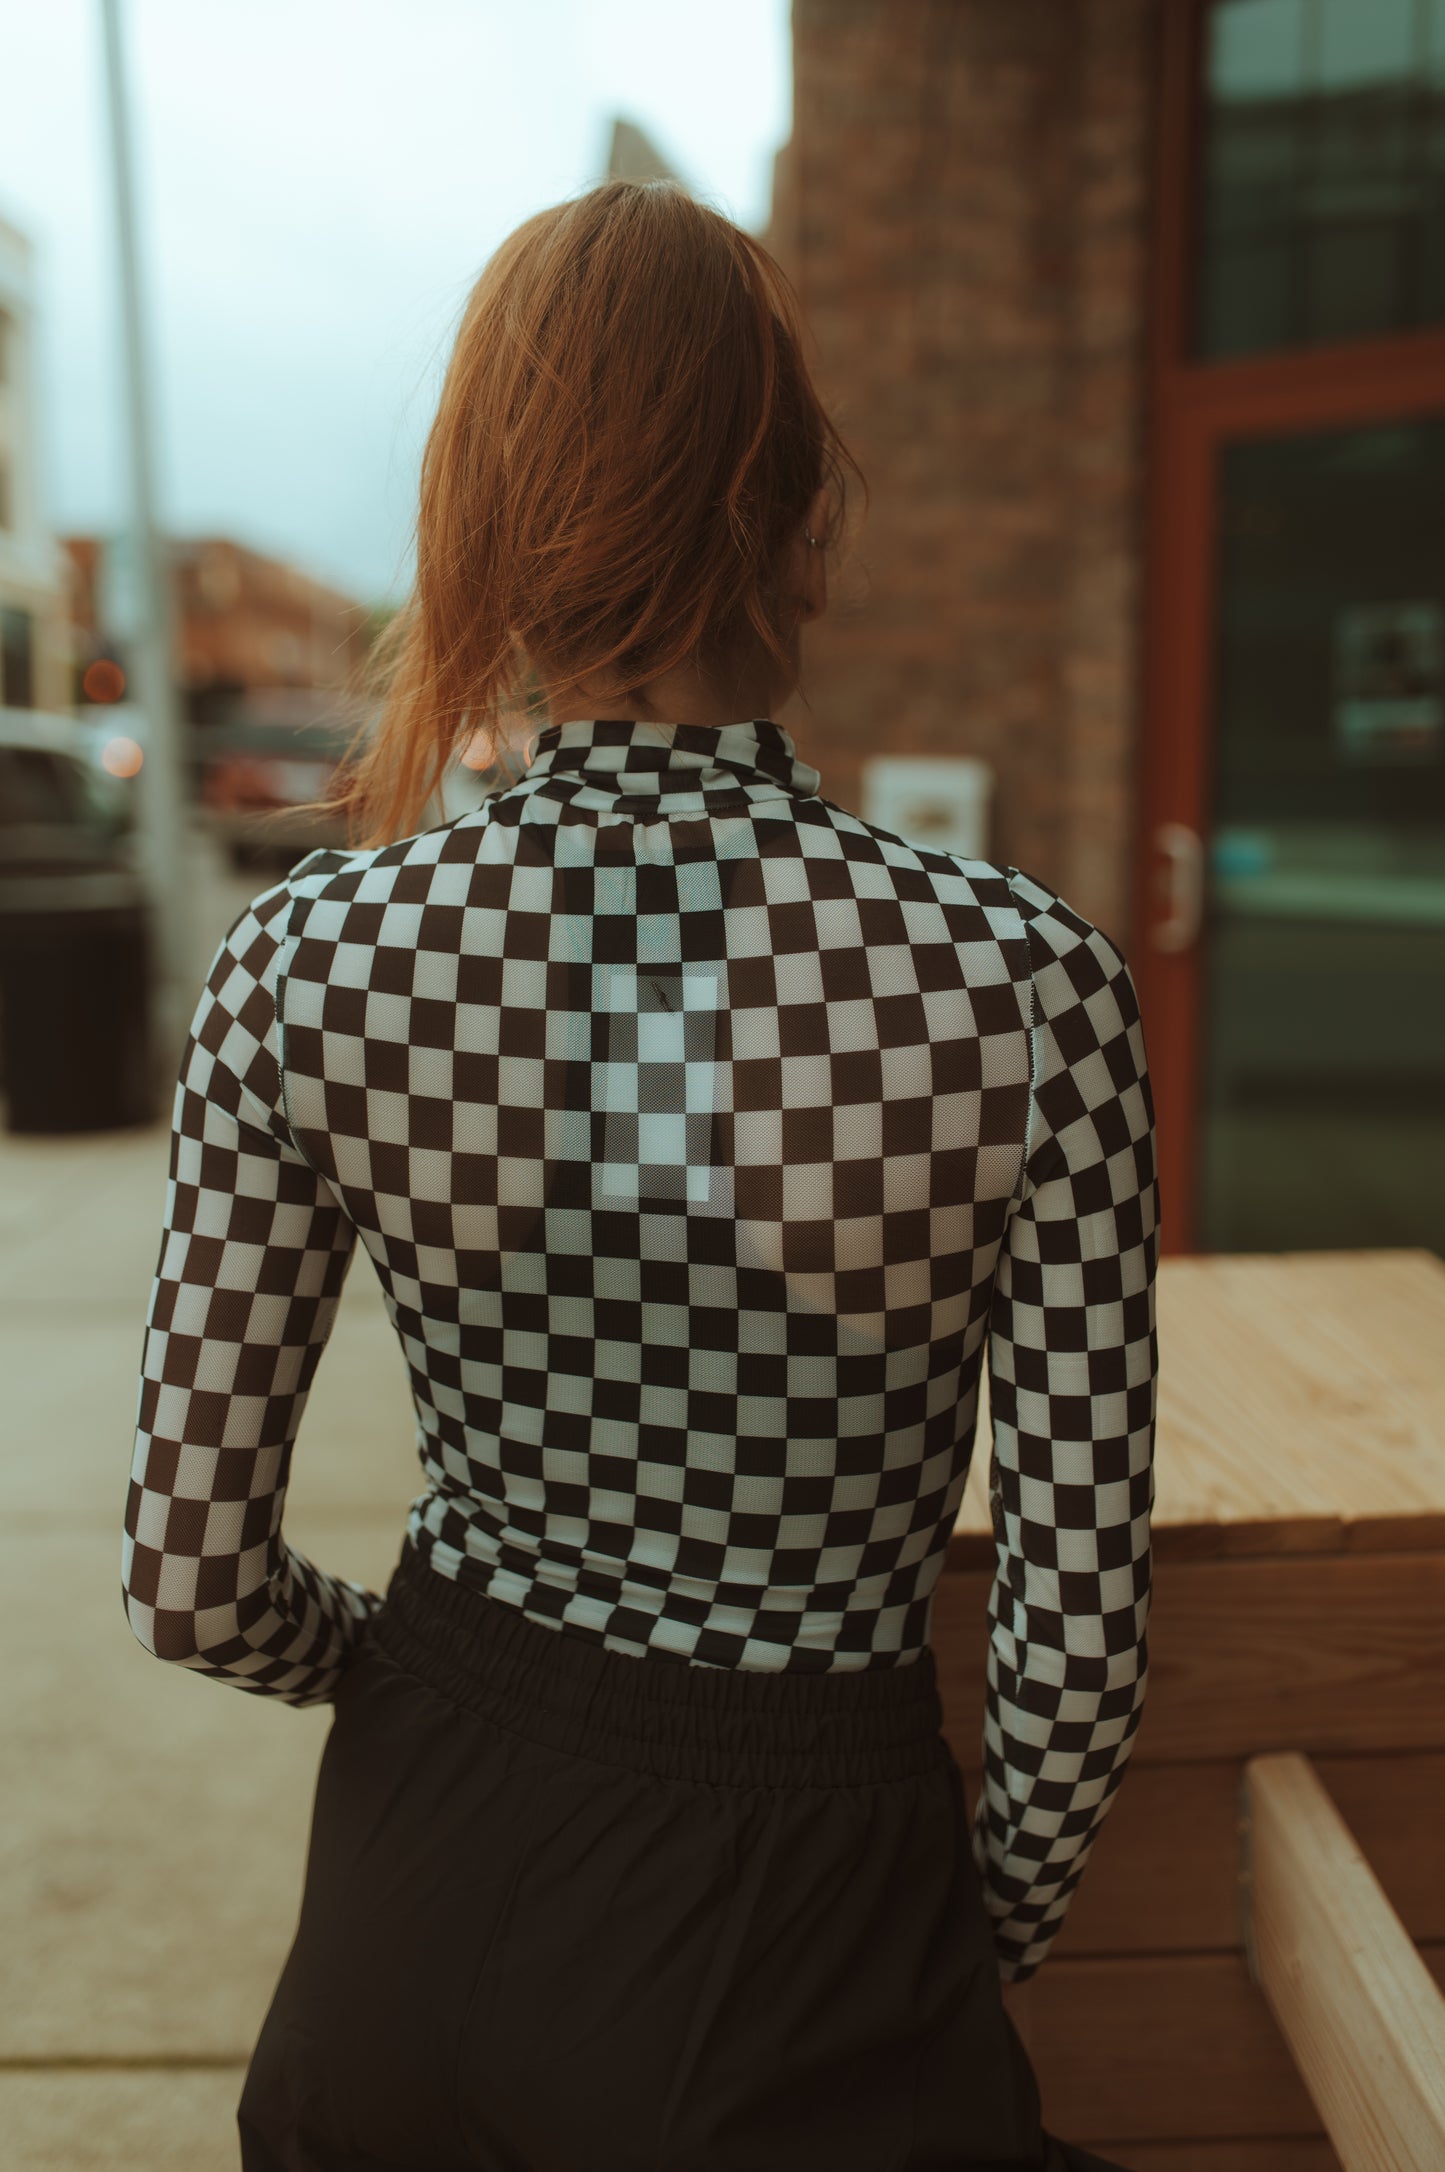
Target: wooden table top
x,y
1301,1408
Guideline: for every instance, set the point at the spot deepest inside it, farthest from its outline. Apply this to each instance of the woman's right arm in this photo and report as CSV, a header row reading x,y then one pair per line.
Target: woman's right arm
x,y
254,1251
1073,1382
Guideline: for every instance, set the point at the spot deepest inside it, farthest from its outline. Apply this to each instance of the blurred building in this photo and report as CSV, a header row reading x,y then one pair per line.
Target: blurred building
x,y
34,672
1134,314
244,623
633,156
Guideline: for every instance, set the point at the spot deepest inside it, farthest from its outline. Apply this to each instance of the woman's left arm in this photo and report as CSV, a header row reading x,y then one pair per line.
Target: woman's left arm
x,y
253,1255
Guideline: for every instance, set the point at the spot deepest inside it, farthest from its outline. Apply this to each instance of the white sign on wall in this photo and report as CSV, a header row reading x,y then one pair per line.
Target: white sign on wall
x,y
942,801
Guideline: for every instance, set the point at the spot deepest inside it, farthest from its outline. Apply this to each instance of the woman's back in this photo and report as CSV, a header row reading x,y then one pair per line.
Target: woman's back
x,y
688,1123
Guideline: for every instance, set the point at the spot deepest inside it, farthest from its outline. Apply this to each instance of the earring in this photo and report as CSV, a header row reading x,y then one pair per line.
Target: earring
x,y
814,540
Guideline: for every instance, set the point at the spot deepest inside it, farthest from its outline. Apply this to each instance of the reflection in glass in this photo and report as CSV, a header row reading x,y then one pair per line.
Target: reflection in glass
x,y
1322,213
1323,1086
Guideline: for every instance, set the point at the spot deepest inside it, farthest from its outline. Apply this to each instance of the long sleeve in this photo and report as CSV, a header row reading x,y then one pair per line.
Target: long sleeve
x,y
1073,1378
253,1256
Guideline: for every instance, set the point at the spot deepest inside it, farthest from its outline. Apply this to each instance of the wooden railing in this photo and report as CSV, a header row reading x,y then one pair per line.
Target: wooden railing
x,y
1361,2013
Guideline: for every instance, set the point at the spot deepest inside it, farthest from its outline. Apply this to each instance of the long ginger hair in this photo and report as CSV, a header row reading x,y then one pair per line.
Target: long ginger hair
x,y
626,440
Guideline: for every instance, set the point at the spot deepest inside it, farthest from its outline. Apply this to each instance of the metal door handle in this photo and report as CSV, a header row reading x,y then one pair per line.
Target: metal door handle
x,y
1183,885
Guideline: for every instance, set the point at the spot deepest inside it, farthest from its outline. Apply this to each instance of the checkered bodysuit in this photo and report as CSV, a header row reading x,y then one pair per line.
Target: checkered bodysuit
x,y
706,1143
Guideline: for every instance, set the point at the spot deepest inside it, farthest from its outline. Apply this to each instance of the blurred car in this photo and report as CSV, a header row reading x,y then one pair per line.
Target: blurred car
x,y
256,773
61,809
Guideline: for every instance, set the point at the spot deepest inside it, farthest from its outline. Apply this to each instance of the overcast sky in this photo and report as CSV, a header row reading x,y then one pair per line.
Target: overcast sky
x,y
320,181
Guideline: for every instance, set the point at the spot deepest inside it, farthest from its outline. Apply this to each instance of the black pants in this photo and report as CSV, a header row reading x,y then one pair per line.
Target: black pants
x,y
567,1910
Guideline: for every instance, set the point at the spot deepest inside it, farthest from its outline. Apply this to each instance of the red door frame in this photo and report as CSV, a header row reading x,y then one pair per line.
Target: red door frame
x,y
1195,407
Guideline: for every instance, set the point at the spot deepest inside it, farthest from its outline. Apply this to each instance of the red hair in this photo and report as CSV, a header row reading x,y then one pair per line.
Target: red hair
x,y
626,441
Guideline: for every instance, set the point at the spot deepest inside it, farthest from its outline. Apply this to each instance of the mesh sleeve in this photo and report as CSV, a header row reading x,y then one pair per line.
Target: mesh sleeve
x,y
253,1255
1073,1378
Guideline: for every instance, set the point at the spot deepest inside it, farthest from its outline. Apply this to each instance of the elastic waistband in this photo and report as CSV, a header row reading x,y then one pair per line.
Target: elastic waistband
x,y
724,1726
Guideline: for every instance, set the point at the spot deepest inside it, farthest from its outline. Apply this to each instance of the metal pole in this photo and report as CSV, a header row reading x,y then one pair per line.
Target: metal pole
x,y
161,814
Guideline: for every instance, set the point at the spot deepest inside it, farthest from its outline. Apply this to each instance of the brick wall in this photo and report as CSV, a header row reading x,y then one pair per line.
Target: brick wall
x,y
963,208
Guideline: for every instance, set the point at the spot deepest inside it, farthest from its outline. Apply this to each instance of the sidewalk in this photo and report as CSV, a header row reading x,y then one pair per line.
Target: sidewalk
x,y
153,1824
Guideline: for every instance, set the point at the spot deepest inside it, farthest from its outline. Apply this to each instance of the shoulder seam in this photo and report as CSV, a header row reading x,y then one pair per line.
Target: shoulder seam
x,y
285,950
1021,1181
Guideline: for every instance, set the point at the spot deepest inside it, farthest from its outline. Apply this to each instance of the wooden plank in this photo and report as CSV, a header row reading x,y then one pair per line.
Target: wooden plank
x,y
1293,2153
1181,2046
1363,2017
1332,1655
1178,2046
974,1549
1323,1432
1240,1541
1305,1381
1164,1873
1393,1806
1389,1316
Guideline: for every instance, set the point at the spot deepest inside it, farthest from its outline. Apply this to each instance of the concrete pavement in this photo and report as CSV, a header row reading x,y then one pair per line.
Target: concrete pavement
x,y
153,1824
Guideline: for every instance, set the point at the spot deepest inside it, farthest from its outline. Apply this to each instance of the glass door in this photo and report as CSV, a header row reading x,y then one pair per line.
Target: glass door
x,y
1292,876
1322,1050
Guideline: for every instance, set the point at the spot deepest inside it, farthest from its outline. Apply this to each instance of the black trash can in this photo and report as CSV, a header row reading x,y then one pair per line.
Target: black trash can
x,y
75,1001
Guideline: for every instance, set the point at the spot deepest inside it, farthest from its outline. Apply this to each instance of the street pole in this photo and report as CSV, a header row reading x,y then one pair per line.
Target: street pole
x,y
161,814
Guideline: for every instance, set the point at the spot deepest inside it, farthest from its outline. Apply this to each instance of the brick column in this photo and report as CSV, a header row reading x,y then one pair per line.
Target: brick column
x,y
962,207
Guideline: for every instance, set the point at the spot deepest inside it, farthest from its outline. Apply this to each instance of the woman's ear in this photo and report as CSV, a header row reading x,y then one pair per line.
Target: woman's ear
x,y
820,514
812,557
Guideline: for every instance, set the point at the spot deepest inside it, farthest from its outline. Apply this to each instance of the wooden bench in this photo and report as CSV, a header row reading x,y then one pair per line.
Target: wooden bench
x,y
1363,2018
1299,1605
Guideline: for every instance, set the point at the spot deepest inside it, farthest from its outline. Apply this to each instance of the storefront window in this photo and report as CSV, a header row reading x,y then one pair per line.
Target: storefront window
x,y
1322,213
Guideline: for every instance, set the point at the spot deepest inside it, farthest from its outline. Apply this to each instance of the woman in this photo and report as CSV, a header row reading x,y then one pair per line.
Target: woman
x,y
705,1142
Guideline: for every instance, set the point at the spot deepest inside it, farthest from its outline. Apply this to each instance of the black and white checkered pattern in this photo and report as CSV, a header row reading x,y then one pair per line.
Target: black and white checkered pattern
x,y
706,1142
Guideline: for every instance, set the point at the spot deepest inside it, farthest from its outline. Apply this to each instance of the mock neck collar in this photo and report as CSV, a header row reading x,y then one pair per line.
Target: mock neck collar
x,y
667,768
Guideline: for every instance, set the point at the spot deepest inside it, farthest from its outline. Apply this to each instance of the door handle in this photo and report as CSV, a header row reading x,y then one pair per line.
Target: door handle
x,y
1182,884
